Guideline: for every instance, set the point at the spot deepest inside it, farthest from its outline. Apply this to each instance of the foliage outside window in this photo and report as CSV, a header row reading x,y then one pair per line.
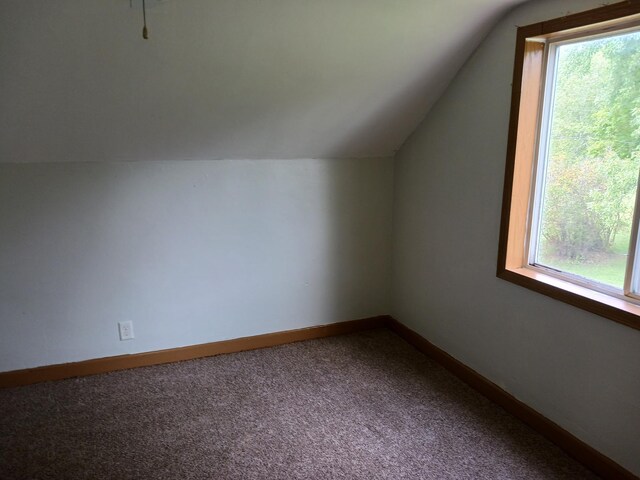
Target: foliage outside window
x,y
571,207
589,158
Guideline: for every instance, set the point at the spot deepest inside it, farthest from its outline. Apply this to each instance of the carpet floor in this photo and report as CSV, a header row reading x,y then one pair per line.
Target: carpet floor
x,y
360,406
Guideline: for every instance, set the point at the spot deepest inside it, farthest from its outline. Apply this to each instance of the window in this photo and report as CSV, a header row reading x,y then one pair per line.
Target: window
x,y
571,202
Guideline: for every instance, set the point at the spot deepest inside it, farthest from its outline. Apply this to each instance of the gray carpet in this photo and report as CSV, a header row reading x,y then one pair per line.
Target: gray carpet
x,y
361,406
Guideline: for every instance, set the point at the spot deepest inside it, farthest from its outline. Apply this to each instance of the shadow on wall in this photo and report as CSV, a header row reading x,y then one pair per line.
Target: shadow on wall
x,y
192,252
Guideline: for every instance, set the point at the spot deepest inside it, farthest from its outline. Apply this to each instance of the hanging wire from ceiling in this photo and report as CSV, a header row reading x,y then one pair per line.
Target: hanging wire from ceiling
x,y
145,31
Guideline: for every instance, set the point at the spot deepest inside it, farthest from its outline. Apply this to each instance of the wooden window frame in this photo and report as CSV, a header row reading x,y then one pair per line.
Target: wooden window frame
x,y
526,100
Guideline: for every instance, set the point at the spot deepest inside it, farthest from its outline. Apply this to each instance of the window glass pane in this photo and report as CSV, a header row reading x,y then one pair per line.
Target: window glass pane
x,y
593,157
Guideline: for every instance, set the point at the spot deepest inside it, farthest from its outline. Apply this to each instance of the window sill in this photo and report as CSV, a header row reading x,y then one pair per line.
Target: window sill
x,y
607,306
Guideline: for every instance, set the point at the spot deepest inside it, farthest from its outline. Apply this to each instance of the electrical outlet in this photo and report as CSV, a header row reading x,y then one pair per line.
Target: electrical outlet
x,y
126,330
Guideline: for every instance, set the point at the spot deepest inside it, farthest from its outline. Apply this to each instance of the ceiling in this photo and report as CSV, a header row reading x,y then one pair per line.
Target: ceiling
x,y
226,78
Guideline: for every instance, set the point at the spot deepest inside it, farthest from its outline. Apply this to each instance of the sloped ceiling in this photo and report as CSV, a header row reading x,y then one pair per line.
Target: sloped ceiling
x,y
226,78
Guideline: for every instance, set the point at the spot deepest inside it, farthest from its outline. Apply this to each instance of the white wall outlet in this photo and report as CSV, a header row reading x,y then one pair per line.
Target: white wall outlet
x,y
126,330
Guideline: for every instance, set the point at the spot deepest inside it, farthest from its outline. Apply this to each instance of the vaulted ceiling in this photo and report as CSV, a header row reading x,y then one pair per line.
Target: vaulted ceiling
x,y
226,78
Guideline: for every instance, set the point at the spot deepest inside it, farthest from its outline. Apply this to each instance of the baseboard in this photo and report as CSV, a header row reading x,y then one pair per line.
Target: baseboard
x,y
576,448
122,362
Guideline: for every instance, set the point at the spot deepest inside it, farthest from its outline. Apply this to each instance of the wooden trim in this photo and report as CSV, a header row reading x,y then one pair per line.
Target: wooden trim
x,y
607,13
525,151
601,304
576,448
507,244
121,362
519,169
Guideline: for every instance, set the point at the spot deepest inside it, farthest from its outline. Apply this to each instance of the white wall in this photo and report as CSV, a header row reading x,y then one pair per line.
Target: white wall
x,y
192,252
578,369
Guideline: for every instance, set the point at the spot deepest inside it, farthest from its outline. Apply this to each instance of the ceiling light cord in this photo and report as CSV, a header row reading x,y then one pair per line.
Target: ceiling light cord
x,y
145,32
